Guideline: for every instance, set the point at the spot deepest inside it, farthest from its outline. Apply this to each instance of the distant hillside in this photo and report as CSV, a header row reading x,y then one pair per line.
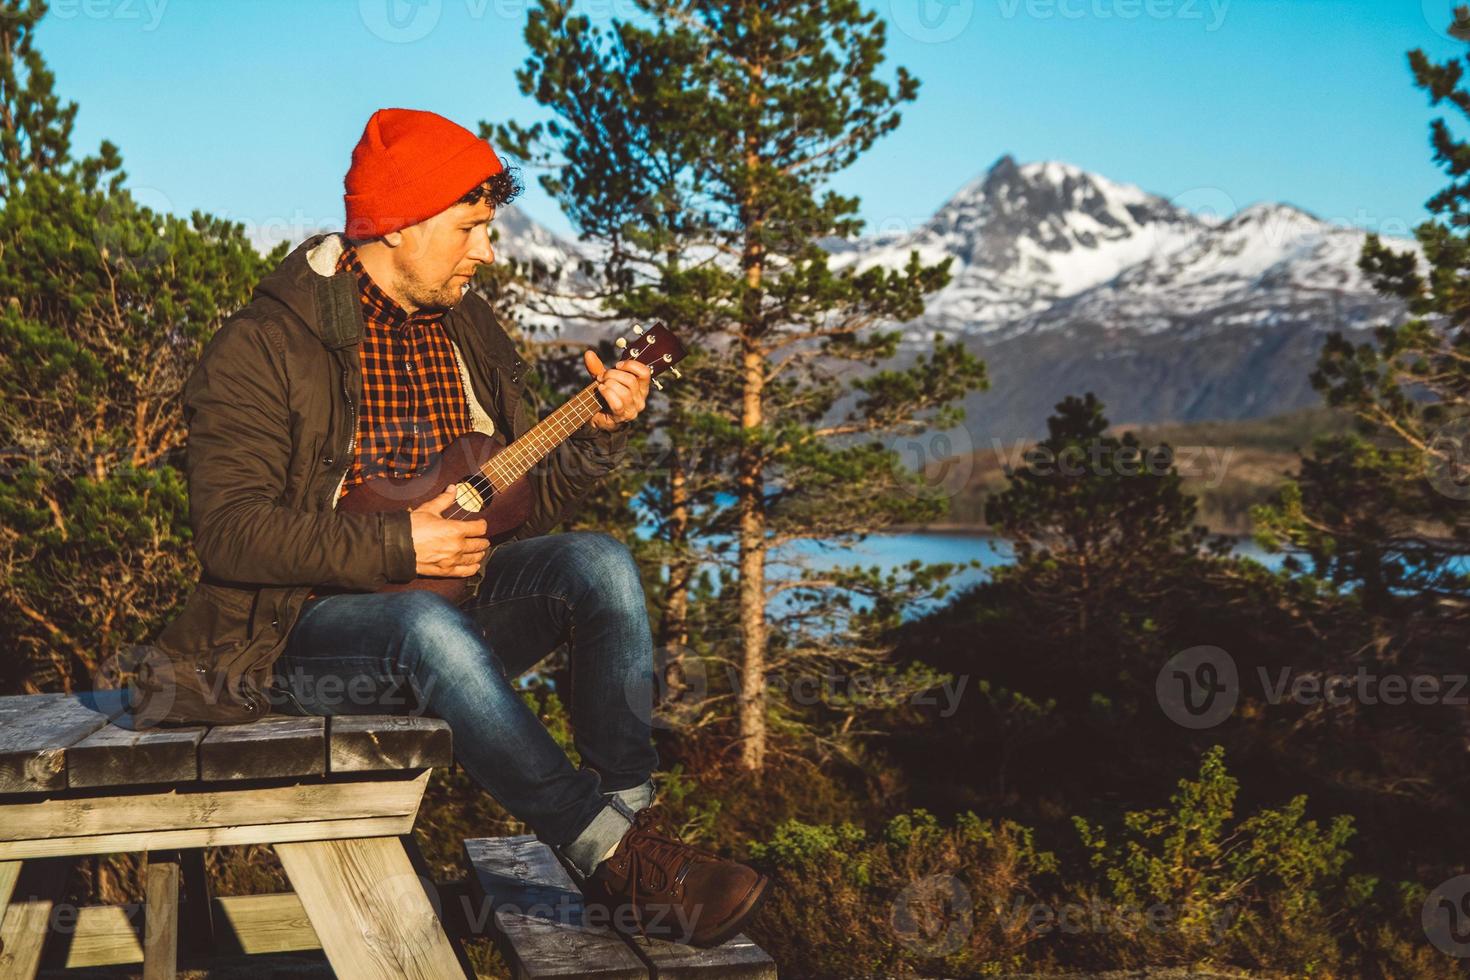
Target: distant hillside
x,y
1228,466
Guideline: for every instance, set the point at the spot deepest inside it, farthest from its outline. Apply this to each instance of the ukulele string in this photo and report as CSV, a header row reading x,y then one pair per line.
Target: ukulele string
x,y
481,486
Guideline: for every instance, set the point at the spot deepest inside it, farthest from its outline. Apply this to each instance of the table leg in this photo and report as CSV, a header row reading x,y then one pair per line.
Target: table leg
x,y
161,916
197,912
371,911
31,890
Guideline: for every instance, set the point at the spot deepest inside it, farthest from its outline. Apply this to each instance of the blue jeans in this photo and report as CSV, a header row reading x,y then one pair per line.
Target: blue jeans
x,y
357,653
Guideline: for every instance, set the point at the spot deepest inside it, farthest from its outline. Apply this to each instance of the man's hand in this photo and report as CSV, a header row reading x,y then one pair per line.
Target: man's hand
x,y
444,547
623,387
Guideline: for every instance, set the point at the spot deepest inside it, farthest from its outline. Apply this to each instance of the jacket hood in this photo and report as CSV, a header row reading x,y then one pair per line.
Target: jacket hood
x,y
307,283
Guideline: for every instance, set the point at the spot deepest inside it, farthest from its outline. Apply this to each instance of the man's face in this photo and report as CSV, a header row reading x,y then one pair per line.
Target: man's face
x,y
437,257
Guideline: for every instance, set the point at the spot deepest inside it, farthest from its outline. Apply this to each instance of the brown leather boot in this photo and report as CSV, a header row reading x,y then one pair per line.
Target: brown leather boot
x,y
660,887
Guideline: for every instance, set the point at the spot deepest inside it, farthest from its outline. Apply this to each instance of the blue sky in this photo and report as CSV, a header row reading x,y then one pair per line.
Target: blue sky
x,y
249,108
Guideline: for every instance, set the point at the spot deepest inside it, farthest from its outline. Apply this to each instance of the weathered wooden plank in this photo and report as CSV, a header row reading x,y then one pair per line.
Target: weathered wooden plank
x,y
206,805
117,756
26,919
371,911
362,743
443,899
737,959
103,935
12,703
36,730
538,909
208,837
277,923
9,873
108,935
276,745
161,916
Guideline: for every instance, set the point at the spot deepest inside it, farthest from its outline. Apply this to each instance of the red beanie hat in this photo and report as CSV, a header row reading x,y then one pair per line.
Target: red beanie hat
x,y
408,166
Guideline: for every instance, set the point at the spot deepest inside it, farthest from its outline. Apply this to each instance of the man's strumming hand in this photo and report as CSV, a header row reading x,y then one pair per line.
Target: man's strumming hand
x,y
444,547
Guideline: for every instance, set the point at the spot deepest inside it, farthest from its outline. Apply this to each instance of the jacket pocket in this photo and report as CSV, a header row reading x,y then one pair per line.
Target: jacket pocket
x,y
219,617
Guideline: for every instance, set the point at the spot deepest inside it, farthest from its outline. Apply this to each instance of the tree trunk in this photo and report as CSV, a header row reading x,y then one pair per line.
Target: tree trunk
x,y
751,483
752,573
674,630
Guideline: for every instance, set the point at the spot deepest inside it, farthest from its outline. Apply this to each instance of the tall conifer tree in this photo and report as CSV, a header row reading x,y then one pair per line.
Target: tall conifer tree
x,y
694,144
1386,509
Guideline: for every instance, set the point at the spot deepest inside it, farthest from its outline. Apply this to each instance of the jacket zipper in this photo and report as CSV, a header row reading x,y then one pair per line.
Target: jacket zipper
x,y
351,440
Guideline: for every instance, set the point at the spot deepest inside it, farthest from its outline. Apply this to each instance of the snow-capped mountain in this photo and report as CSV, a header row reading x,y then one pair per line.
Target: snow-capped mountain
x,y
1065,281
1024,237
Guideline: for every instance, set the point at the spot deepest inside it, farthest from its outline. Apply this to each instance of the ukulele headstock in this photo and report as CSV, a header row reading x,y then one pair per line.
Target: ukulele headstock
x,y
657,347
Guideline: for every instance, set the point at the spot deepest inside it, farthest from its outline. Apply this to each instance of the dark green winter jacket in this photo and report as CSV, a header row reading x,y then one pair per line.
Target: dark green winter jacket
x,y
271,415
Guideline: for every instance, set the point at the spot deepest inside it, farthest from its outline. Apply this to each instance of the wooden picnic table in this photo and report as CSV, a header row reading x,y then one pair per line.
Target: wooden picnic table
x,y
335,797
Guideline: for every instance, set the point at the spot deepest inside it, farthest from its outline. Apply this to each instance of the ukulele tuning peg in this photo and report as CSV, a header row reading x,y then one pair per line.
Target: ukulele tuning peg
x,y
657,385
637,330
620,343
675,372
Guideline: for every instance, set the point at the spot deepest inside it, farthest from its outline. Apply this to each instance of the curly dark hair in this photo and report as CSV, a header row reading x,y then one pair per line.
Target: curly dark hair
x,y
499,189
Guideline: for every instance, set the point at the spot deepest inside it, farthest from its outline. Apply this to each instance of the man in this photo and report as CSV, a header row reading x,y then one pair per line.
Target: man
x,y
363,355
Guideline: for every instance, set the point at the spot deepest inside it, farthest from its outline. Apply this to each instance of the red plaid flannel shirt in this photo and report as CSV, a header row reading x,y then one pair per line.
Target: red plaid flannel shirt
x,y
413,399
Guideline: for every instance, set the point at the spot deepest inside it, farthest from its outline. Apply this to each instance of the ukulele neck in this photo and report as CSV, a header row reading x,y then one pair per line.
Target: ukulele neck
x,y
518,458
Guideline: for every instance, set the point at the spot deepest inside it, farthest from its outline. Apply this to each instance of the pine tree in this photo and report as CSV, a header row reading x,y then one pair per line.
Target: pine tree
x,y
694,144
104,305
1383,509
1100,524
35,127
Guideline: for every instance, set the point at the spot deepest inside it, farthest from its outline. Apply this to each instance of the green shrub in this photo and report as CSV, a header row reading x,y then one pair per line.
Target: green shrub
x,y
1260,891
915,897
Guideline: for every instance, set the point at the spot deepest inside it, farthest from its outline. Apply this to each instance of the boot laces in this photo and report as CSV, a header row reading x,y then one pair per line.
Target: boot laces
x,y
653,847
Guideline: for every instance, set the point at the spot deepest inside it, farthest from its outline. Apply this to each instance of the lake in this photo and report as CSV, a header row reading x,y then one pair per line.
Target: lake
x,y
889,551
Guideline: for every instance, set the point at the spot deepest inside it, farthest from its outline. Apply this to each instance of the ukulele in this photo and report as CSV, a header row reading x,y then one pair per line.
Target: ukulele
x,y
492,476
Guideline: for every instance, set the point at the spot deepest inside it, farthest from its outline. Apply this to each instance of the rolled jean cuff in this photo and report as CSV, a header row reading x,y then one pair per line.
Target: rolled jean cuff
x,y
636,798
600,836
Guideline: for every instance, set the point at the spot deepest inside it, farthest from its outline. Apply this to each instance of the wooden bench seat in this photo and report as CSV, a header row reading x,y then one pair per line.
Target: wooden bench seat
x,y
335,797
536,911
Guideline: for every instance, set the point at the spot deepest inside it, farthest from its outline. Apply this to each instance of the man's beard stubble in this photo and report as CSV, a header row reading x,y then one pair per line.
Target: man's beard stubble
x,y
430,297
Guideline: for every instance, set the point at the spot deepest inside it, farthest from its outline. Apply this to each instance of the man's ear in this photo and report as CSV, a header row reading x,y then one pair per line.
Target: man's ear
x,y
393,239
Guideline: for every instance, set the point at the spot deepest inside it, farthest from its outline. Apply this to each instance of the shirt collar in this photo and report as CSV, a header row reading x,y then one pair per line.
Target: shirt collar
x,y
383,308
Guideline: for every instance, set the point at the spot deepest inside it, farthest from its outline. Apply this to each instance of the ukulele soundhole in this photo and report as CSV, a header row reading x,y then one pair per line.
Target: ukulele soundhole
x,y
468,498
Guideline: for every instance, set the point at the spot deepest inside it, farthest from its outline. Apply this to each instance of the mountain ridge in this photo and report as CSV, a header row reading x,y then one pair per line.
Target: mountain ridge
x,y
1066,281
